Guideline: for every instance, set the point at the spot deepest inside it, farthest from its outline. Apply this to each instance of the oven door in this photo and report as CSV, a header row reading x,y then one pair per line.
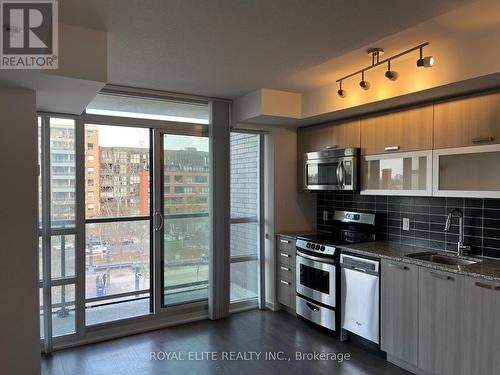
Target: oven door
x,y
331,174
315,278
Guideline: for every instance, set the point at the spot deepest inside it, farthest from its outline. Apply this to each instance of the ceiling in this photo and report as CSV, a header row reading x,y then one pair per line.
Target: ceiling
x,y
226,48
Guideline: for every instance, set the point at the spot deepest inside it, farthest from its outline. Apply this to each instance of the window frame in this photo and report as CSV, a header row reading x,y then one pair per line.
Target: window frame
x,y
171,315
259,219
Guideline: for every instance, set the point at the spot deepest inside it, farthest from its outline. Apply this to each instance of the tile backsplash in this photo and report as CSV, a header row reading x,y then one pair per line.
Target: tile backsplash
x,y
427,217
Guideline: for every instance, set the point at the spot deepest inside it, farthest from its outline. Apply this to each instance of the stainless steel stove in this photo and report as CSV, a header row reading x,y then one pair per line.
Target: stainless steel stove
x,y
318,269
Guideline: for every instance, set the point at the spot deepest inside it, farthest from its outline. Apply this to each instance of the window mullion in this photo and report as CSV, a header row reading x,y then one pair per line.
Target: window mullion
x,y
46,239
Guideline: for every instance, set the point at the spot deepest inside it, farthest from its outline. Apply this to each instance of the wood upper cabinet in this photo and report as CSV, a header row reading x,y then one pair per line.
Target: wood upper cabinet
x,y
405,130
335,135
399,310
468,121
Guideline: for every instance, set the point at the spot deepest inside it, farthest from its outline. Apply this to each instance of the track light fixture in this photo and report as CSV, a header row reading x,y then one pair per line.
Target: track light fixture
x,y
365,85
341,92
426,61
375,54
391,74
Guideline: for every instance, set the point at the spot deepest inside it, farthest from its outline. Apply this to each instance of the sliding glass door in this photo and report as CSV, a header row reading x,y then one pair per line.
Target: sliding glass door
x,y
184,218
117,223
124,216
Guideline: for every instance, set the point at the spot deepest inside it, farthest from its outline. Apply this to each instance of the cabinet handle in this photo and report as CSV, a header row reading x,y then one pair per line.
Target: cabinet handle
x,y
285,268
331,147
285,282
284,241
487,286
398,266
442,277
482,140
285,255
391,148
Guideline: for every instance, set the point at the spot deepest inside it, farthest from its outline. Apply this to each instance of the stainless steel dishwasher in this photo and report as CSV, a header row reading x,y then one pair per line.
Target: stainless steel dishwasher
x,y
360,290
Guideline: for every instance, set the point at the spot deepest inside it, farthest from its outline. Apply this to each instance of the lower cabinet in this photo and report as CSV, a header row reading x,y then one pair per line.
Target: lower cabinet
x,y
286,293
482,327
285,280
440,321
399,310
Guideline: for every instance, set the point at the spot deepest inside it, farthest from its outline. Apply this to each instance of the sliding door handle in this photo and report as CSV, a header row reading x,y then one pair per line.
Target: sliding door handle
x,y
158,218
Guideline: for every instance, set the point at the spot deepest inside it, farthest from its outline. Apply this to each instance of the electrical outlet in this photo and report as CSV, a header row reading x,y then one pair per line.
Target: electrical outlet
x,y
325,215
406,223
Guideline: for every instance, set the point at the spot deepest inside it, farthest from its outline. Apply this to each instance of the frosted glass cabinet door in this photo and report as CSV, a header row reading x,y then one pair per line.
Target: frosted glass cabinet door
x,y
467,172
408,173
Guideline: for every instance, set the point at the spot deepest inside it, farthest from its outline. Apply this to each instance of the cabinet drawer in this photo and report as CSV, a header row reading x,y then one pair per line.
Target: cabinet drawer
x,y
286,293
286,272
286,244
285,258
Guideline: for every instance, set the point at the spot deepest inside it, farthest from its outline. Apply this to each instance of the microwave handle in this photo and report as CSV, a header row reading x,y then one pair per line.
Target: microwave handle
x,y
340,174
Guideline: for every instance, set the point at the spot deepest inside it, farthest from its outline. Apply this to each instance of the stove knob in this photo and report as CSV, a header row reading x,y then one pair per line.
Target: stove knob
x,y
317,247
308,245
322,248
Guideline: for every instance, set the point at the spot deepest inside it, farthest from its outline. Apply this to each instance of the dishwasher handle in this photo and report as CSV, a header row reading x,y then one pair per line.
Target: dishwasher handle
x,y
360,270
359,264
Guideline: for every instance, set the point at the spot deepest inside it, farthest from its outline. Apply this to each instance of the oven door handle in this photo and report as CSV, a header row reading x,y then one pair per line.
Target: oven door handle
x,y
317,259
312,307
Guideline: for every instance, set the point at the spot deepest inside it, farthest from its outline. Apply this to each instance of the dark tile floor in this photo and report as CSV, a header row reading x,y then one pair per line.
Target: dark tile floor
x,y
253,331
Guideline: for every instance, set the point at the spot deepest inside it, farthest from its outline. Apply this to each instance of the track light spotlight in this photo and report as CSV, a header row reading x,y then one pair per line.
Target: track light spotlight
x,y
391,74
426,61
365,85
341,92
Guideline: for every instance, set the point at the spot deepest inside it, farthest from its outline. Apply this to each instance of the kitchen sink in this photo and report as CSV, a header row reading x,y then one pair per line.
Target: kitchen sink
x,y
447,260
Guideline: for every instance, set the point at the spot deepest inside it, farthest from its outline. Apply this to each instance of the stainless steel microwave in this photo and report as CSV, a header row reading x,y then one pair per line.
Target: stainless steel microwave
x,y
331,170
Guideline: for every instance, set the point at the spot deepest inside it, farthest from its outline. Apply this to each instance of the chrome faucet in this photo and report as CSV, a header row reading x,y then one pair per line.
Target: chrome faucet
x,y
461,248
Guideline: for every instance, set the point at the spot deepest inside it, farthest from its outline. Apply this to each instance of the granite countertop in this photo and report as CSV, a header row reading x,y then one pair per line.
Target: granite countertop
x,y
294,235
487,268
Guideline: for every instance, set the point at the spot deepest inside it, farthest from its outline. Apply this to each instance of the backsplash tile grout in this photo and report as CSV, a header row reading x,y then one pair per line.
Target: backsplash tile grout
x,y
427,218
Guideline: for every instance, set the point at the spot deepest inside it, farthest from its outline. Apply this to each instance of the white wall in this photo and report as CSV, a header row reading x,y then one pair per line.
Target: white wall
x,y
292,211
19,321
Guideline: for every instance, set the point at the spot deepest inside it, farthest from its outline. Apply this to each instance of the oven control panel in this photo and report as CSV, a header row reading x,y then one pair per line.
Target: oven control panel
x,y
315,247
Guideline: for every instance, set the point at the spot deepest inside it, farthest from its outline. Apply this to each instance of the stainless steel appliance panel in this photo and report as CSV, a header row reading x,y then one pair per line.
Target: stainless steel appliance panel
x,y
315,313
360,288
331,170
315,278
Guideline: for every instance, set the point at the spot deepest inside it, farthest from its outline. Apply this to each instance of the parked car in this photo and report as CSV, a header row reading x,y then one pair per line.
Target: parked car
x,y
96,249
